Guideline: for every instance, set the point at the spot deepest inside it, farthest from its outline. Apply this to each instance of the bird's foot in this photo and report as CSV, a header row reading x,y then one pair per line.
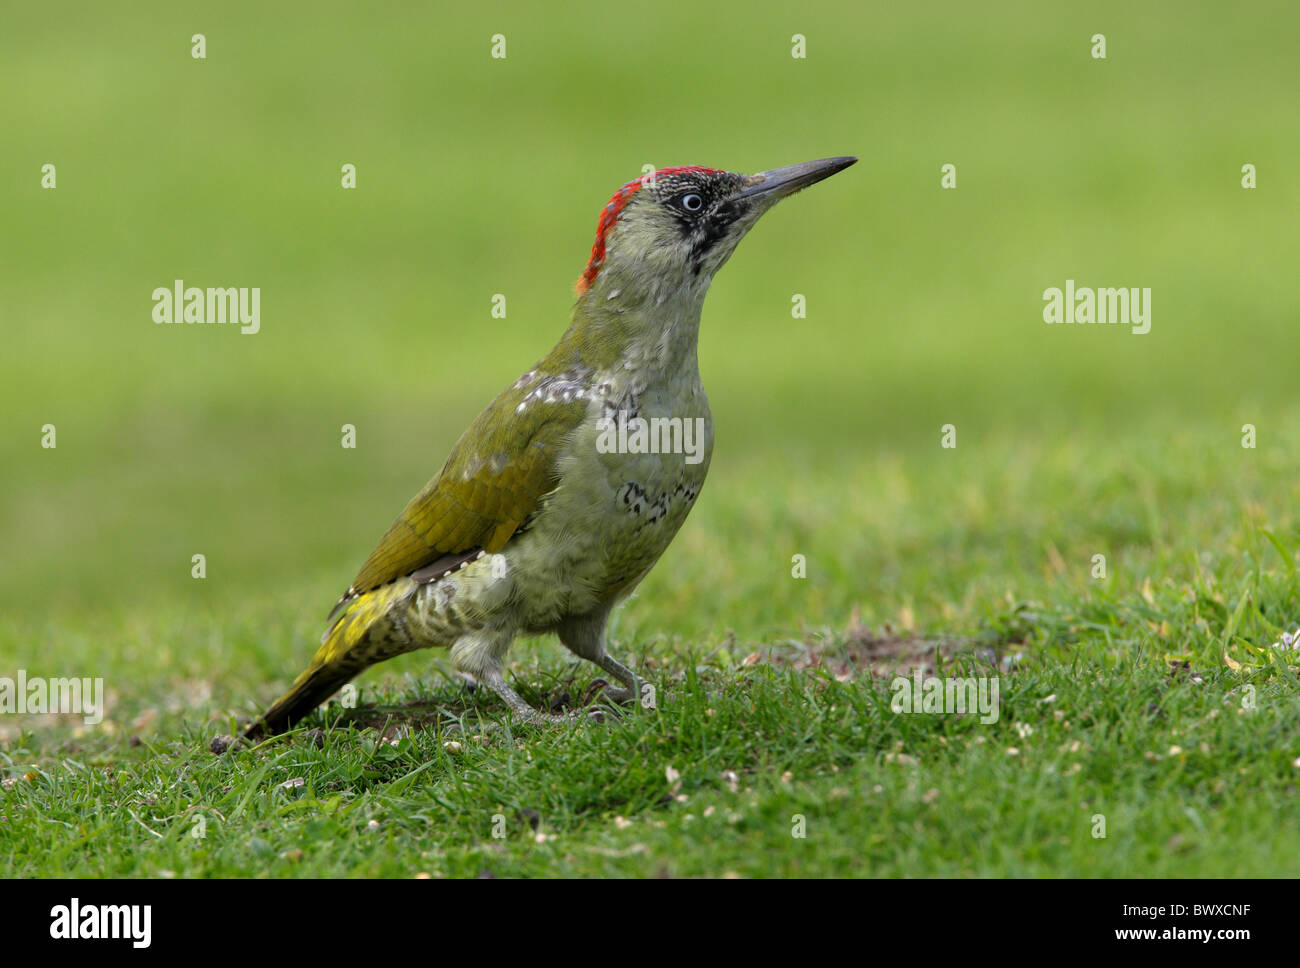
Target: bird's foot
x,y
527,714
533,717
621,696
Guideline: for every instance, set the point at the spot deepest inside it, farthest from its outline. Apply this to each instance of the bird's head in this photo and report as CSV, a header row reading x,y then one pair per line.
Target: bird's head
x,y
671,231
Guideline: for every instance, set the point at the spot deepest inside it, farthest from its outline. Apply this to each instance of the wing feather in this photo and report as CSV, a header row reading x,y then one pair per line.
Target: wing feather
x,y
494,480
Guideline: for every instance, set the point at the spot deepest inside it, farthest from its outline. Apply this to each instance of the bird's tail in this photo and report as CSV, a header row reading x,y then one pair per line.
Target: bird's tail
x,y
354,642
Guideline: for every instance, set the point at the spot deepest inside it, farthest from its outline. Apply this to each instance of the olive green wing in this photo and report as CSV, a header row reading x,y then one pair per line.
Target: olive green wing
x,y
493,482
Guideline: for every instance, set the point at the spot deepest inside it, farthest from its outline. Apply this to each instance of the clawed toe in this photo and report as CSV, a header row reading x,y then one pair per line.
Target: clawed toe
x,y
619,695
592,714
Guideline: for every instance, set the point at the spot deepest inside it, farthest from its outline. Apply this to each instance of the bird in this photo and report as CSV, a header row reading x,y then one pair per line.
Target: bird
x,y
556,502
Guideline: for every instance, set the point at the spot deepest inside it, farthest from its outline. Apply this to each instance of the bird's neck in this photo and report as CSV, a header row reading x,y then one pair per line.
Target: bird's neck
x,y
652,336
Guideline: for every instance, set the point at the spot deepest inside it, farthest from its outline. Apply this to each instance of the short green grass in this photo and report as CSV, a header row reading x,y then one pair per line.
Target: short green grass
x,y
1148,700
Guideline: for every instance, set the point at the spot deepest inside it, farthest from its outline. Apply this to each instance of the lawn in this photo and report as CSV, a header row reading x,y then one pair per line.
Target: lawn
x,y
1141,694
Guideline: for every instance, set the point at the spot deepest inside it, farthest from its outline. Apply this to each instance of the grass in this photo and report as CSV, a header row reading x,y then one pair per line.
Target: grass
x,y
1116,701
1150,696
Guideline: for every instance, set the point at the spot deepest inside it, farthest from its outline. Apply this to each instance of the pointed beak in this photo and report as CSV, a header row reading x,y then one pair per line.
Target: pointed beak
x,y
780,182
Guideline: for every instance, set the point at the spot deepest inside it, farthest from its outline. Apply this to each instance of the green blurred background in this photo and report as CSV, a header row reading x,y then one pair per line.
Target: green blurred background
x,y
479,176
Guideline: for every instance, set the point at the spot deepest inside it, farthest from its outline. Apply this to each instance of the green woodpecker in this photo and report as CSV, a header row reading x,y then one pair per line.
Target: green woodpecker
x,y
555,502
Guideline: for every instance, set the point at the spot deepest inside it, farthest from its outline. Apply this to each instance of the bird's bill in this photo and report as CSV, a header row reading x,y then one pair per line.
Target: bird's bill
x,y
780,182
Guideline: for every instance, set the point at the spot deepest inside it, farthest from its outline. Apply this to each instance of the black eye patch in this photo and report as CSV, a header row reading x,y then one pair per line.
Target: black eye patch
x,y
690,205
702,210
707,233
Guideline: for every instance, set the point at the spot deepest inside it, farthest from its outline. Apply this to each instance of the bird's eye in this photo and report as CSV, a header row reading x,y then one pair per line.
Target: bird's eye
x,y
692,202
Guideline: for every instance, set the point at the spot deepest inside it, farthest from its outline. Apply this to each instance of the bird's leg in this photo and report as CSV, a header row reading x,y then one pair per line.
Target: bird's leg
x,y
480,655
585,636
623,674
